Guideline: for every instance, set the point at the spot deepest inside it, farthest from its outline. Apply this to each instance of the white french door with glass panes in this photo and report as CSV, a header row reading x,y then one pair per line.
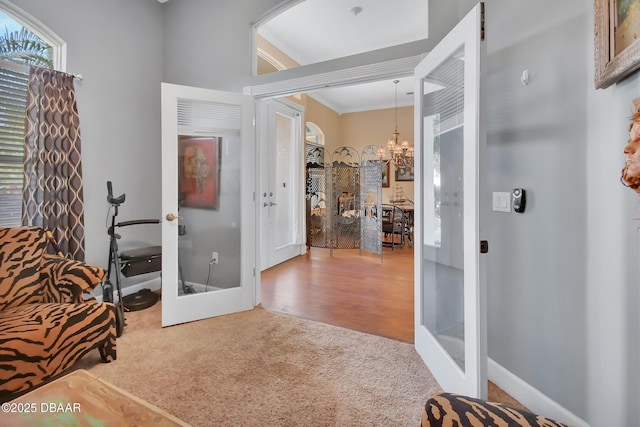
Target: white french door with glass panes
x,y
450,300
209,225
281,187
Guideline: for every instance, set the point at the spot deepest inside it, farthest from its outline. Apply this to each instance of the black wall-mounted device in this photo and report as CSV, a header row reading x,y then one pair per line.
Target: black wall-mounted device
x,y
519,197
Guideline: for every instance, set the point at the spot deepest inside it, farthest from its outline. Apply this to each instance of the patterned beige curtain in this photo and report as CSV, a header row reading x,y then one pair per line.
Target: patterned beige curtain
x,y
52,194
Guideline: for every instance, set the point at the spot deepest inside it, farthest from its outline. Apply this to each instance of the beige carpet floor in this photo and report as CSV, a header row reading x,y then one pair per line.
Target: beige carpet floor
x,y
260,368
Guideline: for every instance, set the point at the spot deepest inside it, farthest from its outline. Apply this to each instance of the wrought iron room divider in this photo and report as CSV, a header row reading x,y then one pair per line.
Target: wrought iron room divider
x,y
344,199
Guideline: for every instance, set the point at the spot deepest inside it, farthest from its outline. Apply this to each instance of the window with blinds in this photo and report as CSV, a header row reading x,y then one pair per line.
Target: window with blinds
x,y
203,117
13,99
446,97
20,48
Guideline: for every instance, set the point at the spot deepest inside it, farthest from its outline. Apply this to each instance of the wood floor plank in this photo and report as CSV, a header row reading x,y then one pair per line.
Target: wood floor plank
x,y
346,289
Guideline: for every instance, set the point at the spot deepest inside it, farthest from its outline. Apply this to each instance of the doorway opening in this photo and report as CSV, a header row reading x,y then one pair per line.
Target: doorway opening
x,y
348,289
344,126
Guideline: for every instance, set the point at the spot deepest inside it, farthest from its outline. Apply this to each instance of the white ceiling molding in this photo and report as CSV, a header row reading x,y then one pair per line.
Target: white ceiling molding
x,y
269,58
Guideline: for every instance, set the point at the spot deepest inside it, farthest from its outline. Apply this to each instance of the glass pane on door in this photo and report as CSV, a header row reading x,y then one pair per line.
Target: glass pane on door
x,y
209,168
443,254
285,228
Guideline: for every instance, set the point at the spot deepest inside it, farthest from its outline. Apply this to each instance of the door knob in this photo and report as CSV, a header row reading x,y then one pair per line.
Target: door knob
x,y
272,204
171,217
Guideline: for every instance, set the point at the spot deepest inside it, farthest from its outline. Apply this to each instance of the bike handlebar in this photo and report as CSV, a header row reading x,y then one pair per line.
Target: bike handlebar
x,y
114,200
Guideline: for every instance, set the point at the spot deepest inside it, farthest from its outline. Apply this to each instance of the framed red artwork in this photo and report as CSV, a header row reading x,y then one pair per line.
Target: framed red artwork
x,y
199,172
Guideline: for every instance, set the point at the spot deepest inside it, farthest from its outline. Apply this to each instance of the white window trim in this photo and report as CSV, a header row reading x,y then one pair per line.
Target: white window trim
x,y
317,132
41,30
279,66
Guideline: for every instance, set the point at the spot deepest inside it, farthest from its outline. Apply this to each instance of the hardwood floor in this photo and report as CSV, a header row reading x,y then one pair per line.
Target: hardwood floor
x,y
348,290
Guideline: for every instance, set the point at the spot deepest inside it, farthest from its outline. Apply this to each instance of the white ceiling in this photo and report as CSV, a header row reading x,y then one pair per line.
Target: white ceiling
x,y
319,30
365,97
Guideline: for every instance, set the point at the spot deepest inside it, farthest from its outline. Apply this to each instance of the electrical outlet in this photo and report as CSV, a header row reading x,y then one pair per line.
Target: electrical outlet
x,y
214,257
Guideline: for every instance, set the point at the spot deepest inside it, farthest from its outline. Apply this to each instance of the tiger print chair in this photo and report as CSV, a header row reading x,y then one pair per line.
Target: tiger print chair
x,y
454,410
45,324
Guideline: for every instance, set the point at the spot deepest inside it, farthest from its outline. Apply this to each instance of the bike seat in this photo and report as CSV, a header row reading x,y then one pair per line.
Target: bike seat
x,y
141,253
141,260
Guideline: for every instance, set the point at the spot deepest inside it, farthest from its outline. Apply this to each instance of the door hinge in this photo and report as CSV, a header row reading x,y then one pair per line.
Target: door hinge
x,y
484,246
482,21
254,121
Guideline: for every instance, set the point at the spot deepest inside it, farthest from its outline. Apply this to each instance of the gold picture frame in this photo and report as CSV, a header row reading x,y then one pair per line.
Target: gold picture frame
x,y
617,51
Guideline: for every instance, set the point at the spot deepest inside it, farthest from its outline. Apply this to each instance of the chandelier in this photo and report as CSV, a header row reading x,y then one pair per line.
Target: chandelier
x,y
401,153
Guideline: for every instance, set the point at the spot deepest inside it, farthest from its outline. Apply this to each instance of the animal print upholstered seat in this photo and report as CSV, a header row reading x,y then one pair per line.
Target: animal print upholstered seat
x,y
449,410
45,324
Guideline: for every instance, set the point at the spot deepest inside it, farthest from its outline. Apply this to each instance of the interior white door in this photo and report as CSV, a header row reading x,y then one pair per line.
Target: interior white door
x,y
281,193
450,308
208,203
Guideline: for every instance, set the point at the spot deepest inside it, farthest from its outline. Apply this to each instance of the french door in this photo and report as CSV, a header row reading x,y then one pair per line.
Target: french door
x,y
450,307
208,203
282,183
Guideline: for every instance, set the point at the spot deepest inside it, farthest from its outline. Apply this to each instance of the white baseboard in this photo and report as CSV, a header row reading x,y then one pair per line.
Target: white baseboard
x,y
536,401
153,285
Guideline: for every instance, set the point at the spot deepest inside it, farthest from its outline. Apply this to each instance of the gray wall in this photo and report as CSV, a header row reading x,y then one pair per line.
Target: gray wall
x,y
536,140
613,283
562,278
208,44
117,47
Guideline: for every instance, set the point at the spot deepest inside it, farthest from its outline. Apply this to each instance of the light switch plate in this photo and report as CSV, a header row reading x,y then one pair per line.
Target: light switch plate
x,y
501,201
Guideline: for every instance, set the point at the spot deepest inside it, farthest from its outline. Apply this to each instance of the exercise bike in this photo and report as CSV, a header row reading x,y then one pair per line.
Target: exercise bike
x,y
128,263
133,262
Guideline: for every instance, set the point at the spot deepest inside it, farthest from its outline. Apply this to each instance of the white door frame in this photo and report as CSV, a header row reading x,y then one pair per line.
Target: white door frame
x,y
472,380
397,68
186,308
386,70
402,67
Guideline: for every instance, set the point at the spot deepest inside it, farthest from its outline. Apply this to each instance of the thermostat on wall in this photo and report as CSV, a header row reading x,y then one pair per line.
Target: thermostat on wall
x,y
519,199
